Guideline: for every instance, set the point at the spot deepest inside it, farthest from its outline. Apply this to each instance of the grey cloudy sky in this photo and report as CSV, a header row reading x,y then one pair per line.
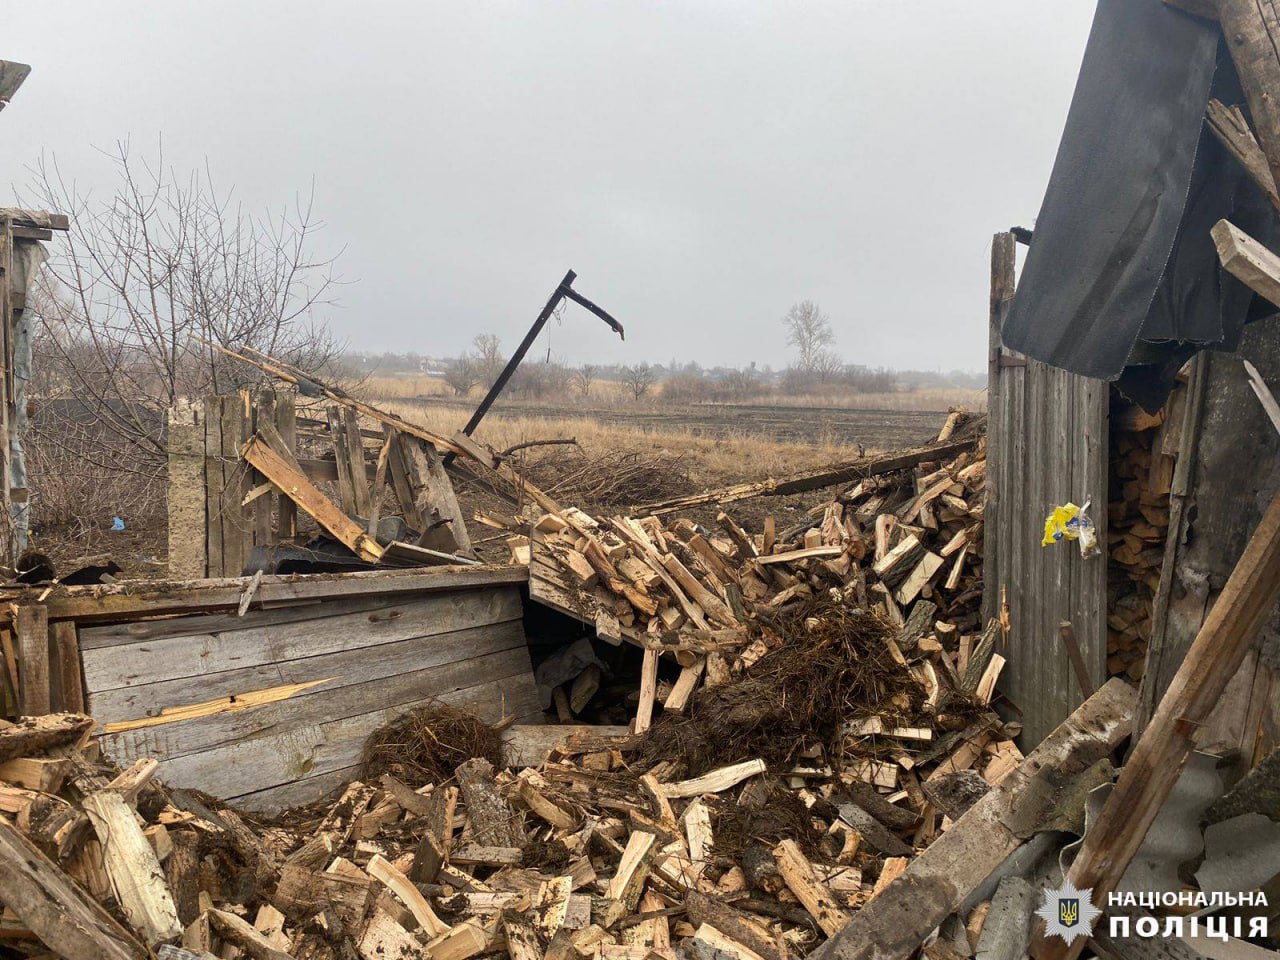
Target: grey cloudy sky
x,y
702,165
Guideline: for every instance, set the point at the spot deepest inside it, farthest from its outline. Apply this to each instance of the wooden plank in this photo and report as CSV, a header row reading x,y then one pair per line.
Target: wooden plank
x,y
893,925
215,473
355,462
286,426
118,601
343,458
307,751
32,626
427,470
1156,761
346,667
70,687
398,466
1232,129
305,494
187,497
529,746
57,911
263,410
260,638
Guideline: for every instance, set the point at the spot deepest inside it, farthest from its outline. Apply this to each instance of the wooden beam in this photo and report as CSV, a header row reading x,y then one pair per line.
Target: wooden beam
x,y
1247,260
893,925
66,648
1252,31
1157,759
799,483
305,494
57,911
102,602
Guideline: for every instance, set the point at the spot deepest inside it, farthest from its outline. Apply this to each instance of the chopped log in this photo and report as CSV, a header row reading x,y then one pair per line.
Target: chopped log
x,y
715,781
131,864
493,822
1157,758
45,775
892,926
235,930
55,909
705,910
799,875
708,943
648,690
395,881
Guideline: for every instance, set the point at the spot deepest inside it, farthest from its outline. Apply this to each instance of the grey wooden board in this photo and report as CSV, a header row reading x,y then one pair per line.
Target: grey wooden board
x,y
1047,446
171,740
329,628
308,751
346,668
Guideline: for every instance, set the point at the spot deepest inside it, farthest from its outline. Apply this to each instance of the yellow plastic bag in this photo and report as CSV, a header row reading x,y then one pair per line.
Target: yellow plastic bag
x,y
1069,522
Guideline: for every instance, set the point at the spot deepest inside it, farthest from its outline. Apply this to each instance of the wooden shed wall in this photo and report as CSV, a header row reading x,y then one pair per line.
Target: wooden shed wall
x,y
1047,445
377,656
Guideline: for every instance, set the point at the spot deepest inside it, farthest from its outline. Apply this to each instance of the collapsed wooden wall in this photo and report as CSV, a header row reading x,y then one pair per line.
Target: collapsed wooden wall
x,y
272,708
1047,445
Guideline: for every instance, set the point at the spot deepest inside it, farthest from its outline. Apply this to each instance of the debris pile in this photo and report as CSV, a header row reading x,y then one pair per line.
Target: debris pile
x,y
905,545
609,847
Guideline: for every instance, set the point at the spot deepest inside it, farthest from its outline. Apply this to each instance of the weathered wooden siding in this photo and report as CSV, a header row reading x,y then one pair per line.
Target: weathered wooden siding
x,y
1047,445
378,657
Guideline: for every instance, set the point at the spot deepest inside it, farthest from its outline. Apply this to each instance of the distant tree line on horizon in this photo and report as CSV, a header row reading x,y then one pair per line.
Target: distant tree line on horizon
x,y
816,368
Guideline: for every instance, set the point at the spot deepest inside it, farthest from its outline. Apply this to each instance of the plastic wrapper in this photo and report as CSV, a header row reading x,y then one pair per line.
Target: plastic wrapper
x,y
1070,522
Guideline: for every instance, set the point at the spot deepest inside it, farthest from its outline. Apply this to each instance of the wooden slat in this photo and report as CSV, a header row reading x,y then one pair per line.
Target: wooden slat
x,y
346,667
32,624
70,687
247,642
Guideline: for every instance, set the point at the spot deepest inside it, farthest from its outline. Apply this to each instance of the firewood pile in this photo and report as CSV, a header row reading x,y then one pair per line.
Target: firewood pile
x,y
1142,457
905,545
606,847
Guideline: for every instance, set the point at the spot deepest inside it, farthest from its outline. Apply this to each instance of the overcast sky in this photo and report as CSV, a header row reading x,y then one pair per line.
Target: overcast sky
x,y
701,165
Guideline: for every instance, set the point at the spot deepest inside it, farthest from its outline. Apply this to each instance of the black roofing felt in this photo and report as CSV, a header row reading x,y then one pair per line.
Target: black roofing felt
x,y
1121,247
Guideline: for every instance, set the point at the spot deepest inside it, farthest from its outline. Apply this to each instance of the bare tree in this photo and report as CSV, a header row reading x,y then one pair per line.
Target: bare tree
x,y
151,270
809,331
639,379
461,374
488,357
582,379
826,366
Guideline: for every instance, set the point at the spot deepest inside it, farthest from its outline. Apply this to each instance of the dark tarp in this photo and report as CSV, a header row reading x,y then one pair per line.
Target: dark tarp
x,y
1118,192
